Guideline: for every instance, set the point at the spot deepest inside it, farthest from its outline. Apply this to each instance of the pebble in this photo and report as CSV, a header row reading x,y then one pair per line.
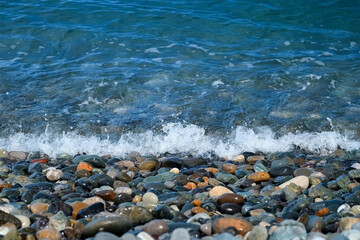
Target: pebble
x,y
241,225
139,197
219,190
156,227
258,233
117,225
301,181
259,176
180,234
150,197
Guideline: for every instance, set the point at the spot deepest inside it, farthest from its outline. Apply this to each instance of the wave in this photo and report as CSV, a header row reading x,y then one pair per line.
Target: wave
x,y
177,138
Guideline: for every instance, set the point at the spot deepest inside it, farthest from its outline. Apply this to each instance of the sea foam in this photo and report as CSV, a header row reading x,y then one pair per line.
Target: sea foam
x,y
178,138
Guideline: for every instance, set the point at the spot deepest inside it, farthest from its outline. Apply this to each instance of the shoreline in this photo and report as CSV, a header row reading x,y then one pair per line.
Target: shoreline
x,y
253,196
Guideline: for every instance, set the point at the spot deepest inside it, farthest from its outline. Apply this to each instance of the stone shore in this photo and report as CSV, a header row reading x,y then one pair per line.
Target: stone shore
x,y
254,196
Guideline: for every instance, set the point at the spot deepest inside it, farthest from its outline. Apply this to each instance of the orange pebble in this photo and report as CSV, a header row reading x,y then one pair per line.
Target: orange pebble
x,y
322,212
259,176
5,185
40,160
196,202
85,166
352,185
230,168
203,184
137,199
211,169
77,206
196,210
190,185
206,179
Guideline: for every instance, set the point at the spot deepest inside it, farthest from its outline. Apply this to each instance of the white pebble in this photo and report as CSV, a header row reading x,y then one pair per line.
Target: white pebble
x,y
144,236
150,198
126,190
25,221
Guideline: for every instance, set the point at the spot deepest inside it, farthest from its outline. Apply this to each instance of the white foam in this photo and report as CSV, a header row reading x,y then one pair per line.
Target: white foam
x,y
178,138
152,50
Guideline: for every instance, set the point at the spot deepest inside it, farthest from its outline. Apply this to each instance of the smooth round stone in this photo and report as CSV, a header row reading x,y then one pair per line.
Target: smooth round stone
x,y
241,225
351,234
258,233
25,221
107,195
280,171
156,227
147,165
112,172
259,176
303,172
259,167
53,175
226,178
206,229
355,210
144,236
314,223
154,185
93,200
196,217
91,210
230,198
35,167
82,173
230,168
301,181
39,207
117,225
3,153
279,163
17,155
230,208
123,177
162,211
122,197
219,190
180,234
240,173
169,184
356,165
126,190
288,229
138,215
106,236
150,198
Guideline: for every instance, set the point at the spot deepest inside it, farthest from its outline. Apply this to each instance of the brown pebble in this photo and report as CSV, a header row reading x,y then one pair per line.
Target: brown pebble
x,y
147,165
5,185
196,210
137,199
50,234
230,198
39,207
256,212
211,169
241,225
107,195
254,159
82,173
77,206
259,176
230,168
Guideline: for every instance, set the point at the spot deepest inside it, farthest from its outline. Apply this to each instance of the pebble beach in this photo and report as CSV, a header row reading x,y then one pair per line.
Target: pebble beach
x,y
253,196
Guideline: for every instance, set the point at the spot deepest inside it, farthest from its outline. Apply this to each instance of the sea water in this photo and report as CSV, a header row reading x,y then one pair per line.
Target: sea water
x,y
198,77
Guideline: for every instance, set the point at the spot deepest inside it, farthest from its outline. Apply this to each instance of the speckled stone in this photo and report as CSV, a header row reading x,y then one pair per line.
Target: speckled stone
x,y
259,176
258,233
289,229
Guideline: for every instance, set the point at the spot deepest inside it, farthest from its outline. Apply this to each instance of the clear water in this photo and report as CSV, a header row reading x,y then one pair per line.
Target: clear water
x,y
179,76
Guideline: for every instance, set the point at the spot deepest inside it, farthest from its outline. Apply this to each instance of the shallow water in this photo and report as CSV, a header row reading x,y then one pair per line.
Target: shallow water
x,y
179,76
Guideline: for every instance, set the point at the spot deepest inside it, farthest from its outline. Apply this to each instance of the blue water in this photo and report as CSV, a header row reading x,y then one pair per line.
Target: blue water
x,y
179,76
